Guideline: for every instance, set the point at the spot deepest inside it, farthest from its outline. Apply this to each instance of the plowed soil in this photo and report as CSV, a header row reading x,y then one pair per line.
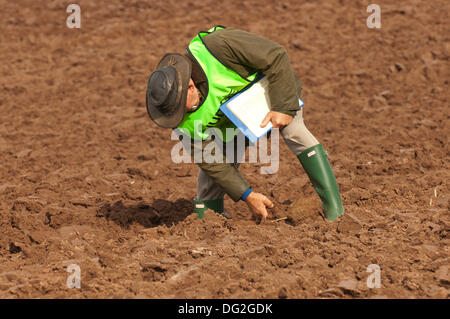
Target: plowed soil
x,y
86,178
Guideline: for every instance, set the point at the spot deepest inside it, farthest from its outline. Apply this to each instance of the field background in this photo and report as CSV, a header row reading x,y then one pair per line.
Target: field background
x,y
86,178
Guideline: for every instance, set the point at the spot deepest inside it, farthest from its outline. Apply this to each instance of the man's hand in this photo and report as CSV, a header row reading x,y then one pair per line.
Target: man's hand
x,y
257,203
279,120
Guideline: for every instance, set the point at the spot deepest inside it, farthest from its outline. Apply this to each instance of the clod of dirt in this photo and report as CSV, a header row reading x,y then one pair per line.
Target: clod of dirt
x,y
282,294
23,153
153,272
443,276
318,262
200,252
347,225
302,209
277,212
331,292
14,249
399,67
410,284
24,205
348,287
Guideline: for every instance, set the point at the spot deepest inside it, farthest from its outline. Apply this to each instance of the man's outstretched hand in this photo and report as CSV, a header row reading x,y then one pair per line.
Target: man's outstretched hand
x,y
257,203
279,120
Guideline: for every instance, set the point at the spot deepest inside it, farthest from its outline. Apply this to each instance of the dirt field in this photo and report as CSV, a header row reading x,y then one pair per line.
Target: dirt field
x,y
86,178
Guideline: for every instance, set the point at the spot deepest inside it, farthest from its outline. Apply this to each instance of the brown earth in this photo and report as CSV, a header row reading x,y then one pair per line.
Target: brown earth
x,y
87,178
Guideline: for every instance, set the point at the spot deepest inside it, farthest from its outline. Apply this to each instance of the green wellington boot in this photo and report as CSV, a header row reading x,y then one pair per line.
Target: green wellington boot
x,y
315,162
201,206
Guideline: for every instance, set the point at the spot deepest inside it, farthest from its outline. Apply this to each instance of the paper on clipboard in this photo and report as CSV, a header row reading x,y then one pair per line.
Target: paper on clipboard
x,y
249,108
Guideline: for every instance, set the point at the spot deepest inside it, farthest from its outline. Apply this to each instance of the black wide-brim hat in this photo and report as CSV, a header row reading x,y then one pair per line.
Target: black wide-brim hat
x,y
167,90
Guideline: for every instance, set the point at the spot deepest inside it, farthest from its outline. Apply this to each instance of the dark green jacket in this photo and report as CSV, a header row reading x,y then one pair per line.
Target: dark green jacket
x,y
246,53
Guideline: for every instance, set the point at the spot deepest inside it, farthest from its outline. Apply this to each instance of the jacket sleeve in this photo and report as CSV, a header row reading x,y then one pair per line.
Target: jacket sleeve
x,y
226,175
247,53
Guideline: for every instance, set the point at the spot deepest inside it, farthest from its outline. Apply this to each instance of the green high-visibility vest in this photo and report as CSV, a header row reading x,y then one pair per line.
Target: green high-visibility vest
x,y
223,83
